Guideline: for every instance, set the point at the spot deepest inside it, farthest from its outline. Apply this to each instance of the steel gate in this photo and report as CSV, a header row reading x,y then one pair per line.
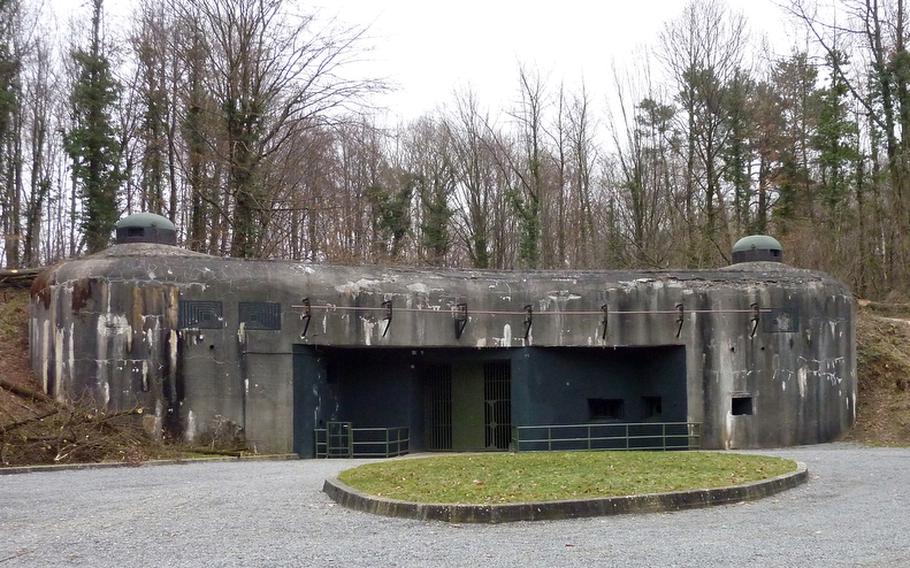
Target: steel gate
x,y
339,440
437,385
497,414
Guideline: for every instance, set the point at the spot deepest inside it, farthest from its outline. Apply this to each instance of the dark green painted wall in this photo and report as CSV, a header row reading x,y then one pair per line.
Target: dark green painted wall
x,y
375,388
555,383
310,391
382,387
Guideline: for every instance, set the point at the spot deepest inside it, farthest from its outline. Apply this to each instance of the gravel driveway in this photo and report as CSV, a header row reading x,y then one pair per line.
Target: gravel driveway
x,y
855,511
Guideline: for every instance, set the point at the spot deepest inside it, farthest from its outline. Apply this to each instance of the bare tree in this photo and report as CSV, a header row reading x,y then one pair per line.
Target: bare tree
x,y
703,50
642,135
475,173
274,73
523,163
583,157
40,89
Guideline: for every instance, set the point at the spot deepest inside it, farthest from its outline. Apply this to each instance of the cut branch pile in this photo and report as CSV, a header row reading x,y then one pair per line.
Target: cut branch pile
x,y
37,429
55,433
76,434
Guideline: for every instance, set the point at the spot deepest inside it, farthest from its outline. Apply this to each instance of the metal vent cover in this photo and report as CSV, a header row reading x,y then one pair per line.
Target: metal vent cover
x,y
260,315
201,314
781,320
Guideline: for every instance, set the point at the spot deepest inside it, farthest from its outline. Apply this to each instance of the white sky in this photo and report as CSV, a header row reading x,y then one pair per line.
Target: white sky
x,y
429,48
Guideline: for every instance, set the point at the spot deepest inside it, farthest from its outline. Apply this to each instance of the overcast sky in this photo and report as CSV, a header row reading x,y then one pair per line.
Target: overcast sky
x,y
429,48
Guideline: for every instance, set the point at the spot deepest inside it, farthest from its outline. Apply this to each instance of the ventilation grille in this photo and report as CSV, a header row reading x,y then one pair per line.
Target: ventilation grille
x,y
781,320
260,315
201,314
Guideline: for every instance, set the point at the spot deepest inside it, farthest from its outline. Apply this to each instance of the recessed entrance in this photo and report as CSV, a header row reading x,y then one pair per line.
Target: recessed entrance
x,y
460,399
467,405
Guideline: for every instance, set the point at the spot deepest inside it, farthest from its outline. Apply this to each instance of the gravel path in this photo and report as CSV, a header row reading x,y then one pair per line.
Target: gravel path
x,y
854,512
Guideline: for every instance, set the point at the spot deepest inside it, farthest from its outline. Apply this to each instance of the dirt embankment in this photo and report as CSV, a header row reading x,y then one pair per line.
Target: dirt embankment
x,y
14,367
883,367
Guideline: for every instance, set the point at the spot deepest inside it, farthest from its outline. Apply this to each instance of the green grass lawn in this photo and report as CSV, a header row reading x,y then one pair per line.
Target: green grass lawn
x,y
550,476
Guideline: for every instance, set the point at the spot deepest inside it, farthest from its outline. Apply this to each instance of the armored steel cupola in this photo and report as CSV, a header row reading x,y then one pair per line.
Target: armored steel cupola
x,y
146,228
757,248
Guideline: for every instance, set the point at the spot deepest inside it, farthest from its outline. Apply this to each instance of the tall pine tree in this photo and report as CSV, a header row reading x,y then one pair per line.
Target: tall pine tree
x,y
9,104
91,142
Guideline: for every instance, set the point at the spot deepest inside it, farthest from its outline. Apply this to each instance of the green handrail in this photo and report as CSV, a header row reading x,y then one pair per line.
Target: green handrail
x,y
364,443
608,436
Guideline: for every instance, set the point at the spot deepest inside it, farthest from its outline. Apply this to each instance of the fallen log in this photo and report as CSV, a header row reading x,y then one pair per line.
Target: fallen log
x,y
27,421
19,277
25,391
215,452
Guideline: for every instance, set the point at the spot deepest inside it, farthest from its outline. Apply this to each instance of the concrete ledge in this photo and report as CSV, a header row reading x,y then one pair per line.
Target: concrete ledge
x,y
107,465
551,510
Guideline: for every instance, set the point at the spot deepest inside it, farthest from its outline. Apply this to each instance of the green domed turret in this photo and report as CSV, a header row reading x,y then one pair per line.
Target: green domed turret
x,y
146,228
757,248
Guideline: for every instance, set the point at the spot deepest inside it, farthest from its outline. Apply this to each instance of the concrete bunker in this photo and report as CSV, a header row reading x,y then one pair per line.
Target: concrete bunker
x,y
756,354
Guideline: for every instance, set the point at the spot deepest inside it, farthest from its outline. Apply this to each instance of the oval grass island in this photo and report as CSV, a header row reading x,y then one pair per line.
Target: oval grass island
x,y
504,487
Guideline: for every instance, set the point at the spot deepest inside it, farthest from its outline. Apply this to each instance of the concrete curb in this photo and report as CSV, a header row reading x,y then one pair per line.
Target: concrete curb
x,y
108,465
553,510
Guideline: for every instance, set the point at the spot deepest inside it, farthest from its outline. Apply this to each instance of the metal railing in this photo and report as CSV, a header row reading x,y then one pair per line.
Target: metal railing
x,y
341,440
608,436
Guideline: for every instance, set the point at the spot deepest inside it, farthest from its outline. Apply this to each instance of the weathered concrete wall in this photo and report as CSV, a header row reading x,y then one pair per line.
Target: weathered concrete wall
x,y
107,326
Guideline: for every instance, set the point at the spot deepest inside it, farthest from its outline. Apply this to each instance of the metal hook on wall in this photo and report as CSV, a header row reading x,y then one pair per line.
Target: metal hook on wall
x,y
306,316
755,317
461,319
529,320
388,316
680,318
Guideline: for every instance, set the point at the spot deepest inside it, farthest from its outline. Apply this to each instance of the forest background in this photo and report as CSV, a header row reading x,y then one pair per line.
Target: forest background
x,y
250,124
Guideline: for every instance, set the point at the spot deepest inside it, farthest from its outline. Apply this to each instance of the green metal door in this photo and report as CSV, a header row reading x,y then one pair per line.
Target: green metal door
x,y
467,406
